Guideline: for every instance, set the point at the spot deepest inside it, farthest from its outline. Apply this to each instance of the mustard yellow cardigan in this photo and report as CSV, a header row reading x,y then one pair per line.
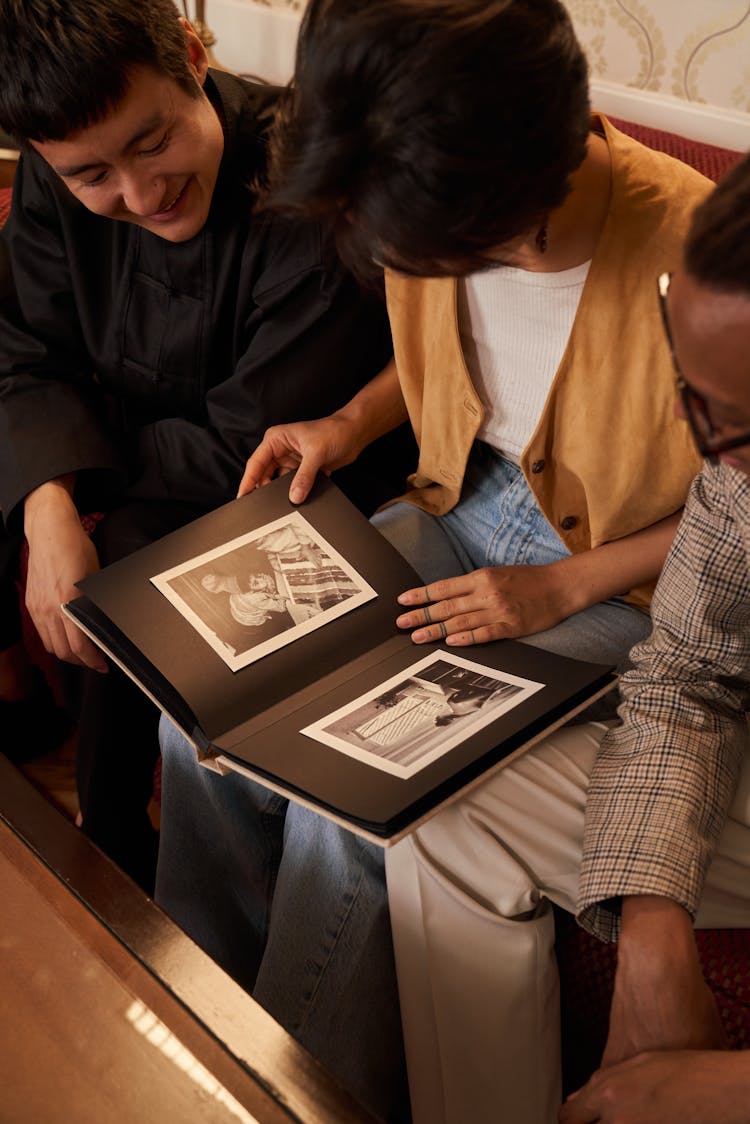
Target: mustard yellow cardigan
x,y
608,457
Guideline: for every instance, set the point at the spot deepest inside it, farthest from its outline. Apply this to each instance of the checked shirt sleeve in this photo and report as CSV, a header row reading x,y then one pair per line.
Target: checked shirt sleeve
x,y
664,780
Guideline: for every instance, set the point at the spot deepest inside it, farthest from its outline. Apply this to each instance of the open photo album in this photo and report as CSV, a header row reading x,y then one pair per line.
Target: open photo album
x,y
266,632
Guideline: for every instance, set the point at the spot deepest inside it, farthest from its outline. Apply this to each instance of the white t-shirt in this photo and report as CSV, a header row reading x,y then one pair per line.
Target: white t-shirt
x,y
514,327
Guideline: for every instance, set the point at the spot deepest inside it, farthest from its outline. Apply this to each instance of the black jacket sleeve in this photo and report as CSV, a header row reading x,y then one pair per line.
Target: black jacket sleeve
x,y
51,417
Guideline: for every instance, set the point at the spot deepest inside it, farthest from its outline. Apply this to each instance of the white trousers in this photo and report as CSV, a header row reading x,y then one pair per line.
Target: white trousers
x,y
473,932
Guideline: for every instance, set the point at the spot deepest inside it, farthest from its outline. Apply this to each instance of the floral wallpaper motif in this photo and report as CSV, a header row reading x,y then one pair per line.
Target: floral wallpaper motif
x,y
670,46
696,50
294,5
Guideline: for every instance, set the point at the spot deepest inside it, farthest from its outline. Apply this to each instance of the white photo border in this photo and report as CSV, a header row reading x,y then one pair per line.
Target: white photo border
x,y
236,662
442,742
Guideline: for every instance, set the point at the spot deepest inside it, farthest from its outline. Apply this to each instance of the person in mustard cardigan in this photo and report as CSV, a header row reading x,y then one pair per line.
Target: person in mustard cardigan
x,y
528,357
452,145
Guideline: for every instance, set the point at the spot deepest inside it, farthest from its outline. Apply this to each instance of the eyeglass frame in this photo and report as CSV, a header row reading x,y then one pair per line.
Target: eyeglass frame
x,y
709,443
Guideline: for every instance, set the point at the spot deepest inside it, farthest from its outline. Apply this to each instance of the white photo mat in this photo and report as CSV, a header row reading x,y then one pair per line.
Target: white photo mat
x,y
414,717
301,583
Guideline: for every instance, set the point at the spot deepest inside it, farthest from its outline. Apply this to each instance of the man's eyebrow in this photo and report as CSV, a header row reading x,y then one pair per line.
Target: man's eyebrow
x,y
153,122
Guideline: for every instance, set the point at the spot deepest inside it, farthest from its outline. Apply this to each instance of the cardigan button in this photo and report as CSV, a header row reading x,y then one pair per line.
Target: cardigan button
x,y
568,523
537,467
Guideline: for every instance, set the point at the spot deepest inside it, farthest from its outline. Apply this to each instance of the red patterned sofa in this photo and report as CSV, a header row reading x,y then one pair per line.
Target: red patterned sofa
x,y
587,972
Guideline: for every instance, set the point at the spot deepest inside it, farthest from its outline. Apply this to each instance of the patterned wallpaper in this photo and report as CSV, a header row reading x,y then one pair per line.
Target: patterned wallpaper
x,y
692,49
696,50
294,5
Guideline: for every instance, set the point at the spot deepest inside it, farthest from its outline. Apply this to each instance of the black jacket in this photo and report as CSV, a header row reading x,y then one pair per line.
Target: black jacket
x,y
151,368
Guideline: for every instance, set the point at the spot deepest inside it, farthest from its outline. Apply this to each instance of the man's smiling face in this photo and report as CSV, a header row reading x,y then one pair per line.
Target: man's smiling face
x,y
152,160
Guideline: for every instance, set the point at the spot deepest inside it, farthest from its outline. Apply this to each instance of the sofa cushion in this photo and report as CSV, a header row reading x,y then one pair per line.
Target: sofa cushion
x,y
5,197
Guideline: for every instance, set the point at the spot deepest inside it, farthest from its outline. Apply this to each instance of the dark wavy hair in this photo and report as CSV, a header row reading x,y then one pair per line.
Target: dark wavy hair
x,y
717,249
430,131
67,63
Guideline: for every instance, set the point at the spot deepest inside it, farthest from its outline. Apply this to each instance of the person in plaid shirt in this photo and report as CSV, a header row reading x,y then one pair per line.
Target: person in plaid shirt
x,y
642,829
667,836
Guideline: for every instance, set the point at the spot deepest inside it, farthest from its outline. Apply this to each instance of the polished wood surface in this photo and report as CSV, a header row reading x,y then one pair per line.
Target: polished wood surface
x,y
108,1012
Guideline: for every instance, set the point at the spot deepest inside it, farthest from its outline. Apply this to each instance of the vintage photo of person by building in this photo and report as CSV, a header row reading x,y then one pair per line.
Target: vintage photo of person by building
x,y
405,723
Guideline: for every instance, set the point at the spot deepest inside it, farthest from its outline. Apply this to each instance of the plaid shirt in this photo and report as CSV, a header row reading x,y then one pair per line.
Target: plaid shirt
x,y
664,780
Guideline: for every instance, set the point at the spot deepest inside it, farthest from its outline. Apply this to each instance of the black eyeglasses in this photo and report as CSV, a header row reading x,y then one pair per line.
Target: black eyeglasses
x,y
710,442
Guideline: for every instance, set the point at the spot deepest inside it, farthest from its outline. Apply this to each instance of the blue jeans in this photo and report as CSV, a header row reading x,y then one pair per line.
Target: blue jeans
x,y
295,909
497,523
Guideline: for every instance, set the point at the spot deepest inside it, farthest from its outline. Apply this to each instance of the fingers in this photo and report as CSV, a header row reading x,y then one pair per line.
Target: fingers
x,y
433,622
435,591
304,478
474,608
83,651
445,621
457,621
281,452
259,469
64,640
440,615
592,1103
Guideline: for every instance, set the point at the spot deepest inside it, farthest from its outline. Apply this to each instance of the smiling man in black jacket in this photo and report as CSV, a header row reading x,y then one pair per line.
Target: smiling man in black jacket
x,y
151,328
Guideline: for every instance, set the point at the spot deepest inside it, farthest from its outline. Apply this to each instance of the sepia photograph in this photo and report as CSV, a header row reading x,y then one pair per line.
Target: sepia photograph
x,y
407,722
263,590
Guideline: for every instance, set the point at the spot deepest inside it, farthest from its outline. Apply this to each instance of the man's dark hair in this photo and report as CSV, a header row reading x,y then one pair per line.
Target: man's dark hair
x,y
66,63
431,130
717,250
